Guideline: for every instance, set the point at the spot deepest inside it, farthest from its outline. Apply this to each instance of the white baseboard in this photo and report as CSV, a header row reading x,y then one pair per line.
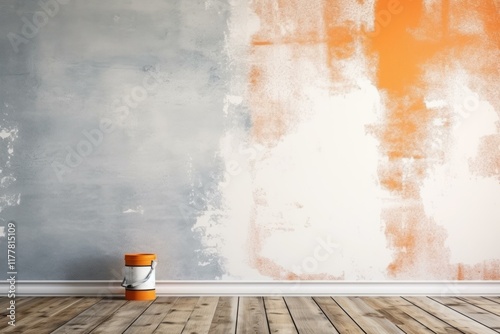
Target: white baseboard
x,y
288,288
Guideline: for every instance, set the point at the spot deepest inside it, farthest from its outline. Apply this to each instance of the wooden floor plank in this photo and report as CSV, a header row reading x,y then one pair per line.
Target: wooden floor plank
x,y
223,315
224,320
478,314
29,312
19,303
24,305
5,302
452,317
175,321
483,303
201,318
251,316
496,299
40,312
392,312
86,321
278,317
62,315
119,321
426,319
342,322
308,317
366,317
148,321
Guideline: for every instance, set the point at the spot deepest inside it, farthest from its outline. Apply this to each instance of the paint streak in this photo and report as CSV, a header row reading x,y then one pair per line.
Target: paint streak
x,y
340,40
269,116
487,270
290,28
419,244
287,22
404,136
285,26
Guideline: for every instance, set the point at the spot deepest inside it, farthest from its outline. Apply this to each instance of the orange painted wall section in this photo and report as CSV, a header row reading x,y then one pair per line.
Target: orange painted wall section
x,y
410,50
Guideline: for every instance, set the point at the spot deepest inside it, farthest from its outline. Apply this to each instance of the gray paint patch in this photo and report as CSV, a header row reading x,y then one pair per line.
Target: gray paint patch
x,y
130,189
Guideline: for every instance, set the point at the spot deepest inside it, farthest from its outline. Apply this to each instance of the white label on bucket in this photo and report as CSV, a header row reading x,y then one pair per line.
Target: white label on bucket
x,y
137,274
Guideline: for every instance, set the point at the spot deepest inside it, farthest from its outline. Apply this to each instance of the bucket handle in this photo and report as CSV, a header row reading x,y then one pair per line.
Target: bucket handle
x,y
125,284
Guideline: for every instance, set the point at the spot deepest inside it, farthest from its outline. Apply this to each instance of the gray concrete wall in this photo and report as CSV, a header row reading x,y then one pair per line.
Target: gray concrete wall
x,y
112,113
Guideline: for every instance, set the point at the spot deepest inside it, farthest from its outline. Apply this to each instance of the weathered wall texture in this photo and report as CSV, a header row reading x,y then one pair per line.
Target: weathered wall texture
x,y
250,140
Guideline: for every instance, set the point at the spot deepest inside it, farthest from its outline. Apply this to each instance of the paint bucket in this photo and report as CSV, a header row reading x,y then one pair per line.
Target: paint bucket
x,y
139,280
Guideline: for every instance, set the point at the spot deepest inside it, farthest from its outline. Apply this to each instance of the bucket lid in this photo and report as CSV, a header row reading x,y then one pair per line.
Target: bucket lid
x,y
139,259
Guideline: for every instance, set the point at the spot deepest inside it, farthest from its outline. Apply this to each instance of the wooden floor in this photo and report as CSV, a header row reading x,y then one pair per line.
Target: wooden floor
x,y
419,315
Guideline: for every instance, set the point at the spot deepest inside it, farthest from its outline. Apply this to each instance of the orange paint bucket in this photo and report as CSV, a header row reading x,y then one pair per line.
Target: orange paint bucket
x,y
139,280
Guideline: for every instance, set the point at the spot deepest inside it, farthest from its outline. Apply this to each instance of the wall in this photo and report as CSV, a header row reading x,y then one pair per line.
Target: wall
x,y
264,140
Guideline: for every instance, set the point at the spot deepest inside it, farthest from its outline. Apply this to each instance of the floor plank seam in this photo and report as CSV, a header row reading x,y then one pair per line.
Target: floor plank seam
x,y
493,300
327,317
58,311
478,306
458,329
237,315
465,315
185,324
347,313
159,324
265,312
293,320
64,324
106,318
433,315
410,316
132,323
430,329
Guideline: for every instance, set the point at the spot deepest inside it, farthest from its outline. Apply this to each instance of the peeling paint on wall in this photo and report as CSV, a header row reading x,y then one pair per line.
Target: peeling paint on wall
x,y
8,136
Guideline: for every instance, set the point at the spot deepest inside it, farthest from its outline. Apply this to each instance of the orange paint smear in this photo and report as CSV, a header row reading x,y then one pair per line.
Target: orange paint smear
x,y
340,40
294,25
400,54
287,24
268,116
268,267
487,162
418,243
404,135
487,270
